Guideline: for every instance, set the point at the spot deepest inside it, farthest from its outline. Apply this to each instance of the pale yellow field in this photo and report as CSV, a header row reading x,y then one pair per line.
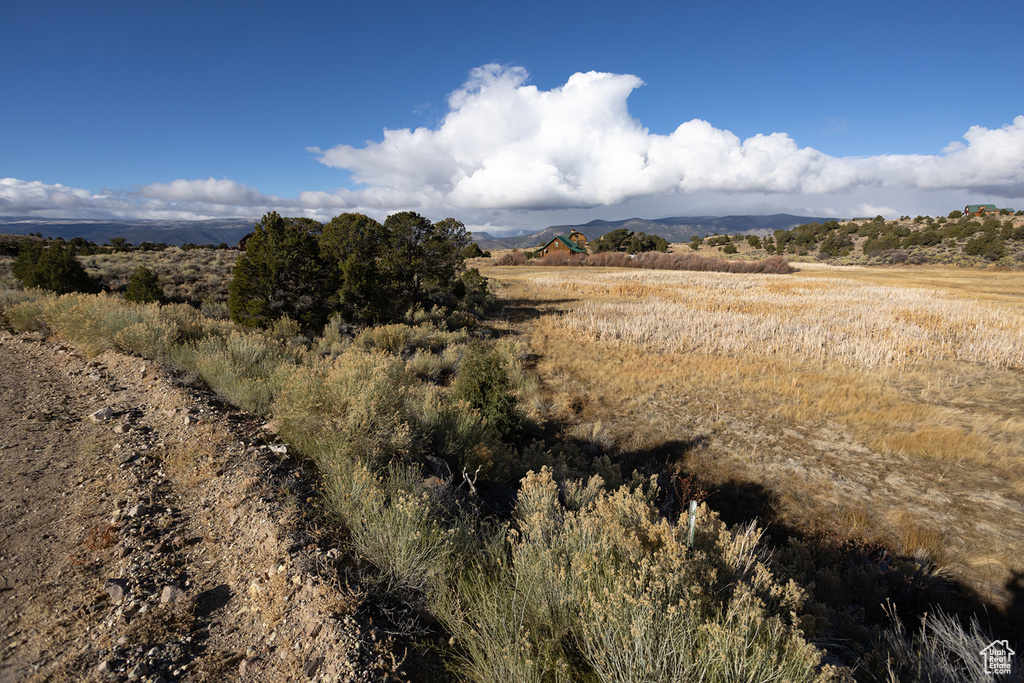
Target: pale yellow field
x,y
887,404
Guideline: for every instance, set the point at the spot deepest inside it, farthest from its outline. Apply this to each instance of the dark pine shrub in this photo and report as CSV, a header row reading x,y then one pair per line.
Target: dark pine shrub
x,y
144,287
54,267
484,382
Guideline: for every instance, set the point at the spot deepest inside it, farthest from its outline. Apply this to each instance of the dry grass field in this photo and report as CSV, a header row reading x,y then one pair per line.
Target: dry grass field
x,y
197,275
881,405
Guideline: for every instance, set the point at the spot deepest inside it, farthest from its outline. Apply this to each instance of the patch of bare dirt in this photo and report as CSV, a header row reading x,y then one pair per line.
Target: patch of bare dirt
x,y
150,533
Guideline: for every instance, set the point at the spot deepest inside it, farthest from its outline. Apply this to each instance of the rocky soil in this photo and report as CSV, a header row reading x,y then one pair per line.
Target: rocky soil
x,y
150,533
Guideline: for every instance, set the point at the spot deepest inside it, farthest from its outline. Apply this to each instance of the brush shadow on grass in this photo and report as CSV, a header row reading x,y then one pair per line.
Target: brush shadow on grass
x,y
852,580
209,601
521,310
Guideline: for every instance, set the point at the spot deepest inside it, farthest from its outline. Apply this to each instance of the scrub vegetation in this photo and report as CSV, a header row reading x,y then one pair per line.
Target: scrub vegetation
x,y
516,480
961,240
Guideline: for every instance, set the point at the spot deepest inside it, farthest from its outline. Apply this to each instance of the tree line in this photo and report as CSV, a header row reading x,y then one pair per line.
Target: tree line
x,y
353,267
366,272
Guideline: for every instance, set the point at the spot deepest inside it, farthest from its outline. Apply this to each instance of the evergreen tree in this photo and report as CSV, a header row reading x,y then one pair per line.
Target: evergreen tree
x,y
144,287
280,275
54,267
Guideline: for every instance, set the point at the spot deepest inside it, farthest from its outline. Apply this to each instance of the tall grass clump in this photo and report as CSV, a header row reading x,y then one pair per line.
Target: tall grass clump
x,y
402,339
357,406
940,651
370,426
22,309
371,406
241,367
394,524
104,322
461,437
596,585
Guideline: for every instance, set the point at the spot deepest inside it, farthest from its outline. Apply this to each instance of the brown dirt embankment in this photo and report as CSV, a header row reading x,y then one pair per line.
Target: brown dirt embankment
x,y
147,532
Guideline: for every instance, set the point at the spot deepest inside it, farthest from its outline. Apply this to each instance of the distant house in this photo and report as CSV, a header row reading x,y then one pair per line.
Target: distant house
x,y
980,209
244,241
573,243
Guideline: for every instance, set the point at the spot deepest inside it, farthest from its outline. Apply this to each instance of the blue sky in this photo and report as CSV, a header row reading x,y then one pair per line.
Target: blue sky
x,y
510,116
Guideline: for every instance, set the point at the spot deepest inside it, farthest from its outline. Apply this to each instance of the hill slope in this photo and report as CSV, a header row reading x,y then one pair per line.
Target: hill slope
x,y
674,229
228,231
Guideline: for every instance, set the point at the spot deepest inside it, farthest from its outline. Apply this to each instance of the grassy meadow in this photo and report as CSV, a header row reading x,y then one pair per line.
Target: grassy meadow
x,y
884,406
854,437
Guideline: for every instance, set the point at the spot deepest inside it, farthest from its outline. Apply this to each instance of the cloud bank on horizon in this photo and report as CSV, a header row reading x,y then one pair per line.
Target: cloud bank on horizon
x,y
506,146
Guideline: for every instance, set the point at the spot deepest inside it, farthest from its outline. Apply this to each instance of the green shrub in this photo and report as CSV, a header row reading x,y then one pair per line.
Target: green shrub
x,y
987,245
280,274
463,439
484,383
359,405
242,367
474,251
606,589
393,524
144,287
54,268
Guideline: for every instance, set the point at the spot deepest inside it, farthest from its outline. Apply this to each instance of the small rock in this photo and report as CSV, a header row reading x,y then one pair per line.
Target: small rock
x,y
171,594
104,668
162,547
245,666
279,448
312,665
123,428
102,415
116,589
137,511
138,672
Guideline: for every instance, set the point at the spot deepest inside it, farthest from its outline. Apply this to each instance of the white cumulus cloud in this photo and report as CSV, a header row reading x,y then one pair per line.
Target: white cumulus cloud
x,y
177,200
209,191
505,144
21,196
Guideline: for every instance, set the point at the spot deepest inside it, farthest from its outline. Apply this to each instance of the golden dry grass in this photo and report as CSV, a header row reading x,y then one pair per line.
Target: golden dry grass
x,y
1004,288
889,405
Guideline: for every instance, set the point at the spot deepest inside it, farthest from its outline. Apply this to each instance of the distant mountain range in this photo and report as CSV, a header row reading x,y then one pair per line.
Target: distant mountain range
x,y
676,229
230,231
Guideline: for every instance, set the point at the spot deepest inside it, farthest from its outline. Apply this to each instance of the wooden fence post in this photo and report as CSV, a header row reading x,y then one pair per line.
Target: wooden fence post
x,y
693,522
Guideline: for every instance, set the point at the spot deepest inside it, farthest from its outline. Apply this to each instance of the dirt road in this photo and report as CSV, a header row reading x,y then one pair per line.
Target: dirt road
x,y
147,532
